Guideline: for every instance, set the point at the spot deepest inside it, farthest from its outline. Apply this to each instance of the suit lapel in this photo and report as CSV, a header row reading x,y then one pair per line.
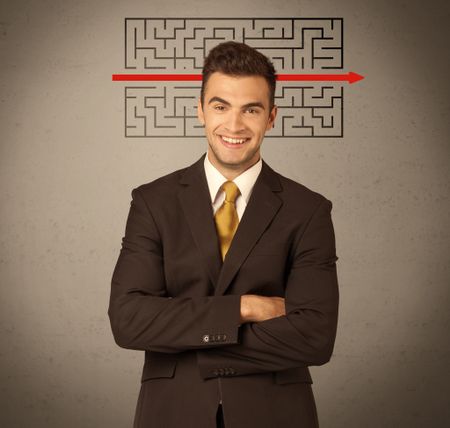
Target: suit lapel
x,y
261,209
196,204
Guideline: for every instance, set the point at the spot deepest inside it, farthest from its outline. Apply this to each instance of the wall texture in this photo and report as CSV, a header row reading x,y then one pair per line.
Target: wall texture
x,y
67,172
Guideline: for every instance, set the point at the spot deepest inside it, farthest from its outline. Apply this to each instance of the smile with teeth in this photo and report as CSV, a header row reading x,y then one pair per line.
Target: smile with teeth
x,y
233,140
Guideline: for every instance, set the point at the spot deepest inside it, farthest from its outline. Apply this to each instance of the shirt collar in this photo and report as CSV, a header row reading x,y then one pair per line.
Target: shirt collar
x,y
244,181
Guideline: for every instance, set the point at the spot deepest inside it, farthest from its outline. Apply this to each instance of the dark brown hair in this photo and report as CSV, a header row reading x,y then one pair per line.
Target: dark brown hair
x,y
238,59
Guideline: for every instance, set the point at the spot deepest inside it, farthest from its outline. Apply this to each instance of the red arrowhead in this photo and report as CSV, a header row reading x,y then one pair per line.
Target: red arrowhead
x,y
354,77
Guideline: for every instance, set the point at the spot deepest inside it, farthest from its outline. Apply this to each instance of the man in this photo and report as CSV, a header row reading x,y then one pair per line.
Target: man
x,y
227,276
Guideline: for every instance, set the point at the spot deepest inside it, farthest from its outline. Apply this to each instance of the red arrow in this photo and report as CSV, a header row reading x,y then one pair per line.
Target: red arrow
x,y
349,77
156,77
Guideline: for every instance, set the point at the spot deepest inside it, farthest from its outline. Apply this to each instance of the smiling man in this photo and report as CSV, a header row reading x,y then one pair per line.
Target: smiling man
x,y
236,111
227,273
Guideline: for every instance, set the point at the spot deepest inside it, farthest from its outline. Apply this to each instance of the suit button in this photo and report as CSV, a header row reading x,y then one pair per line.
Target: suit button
x,y
205,338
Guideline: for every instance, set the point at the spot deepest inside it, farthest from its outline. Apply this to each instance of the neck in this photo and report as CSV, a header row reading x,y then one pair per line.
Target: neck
x,y
232,171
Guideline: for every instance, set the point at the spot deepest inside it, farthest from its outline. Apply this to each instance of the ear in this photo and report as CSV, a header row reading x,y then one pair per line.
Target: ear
x,y
272,116
200,115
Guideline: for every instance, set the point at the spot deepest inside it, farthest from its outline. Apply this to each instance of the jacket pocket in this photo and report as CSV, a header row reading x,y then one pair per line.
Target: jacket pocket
x,y
296,374
154,369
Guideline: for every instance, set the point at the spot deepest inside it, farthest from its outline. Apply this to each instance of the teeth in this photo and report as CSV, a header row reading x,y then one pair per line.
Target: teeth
x,y
233,140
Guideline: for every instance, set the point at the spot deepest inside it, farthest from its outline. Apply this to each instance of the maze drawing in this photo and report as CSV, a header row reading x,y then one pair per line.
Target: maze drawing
x,y
163,110
308,111
179,46
170,110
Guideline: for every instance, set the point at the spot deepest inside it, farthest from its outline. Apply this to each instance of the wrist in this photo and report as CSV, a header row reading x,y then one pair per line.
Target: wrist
x,y
246,311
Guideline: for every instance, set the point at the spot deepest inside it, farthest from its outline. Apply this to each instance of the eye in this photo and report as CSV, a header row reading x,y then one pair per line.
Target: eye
x,y
219,107
252,110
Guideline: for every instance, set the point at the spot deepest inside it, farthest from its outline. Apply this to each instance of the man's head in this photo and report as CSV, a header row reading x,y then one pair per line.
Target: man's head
x,y
236,106
238,59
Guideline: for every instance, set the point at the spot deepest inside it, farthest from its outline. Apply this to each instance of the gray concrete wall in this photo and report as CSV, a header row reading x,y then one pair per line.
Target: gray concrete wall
x,y
67,172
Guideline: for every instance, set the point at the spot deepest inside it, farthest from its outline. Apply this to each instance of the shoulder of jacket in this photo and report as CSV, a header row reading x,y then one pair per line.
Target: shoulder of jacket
x,y
294,189
165,184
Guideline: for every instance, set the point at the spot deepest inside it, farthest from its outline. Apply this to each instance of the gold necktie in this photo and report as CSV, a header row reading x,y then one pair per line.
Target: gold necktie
x,y
226,217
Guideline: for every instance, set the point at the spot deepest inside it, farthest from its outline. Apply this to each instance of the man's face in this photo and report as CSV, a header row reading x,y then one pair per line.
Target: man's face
x,y
236,114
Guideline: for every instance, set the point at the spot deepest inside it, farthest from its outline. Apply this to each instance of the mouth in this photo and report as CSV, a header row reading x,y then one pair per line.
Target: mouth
x,y
231,141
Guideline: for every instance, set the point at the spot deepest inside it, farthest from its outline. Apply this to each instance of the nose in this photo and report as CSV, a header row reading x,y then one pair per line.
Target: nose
x,y
234,123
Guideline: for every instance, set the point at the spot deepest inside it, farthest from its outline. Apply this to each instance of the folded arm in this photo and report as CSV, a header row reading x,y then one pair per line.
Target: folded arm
x,y
143,317
305,335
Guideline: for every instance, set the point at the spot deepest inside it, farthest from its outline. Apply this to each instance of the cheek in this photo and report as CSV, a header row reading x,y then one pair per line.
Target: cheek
x,y
262,128
213,125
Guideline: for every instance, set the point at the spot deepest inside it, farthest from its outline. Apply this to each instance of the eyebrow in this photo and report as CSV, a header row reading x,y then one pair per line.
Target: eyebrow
x,y
245,106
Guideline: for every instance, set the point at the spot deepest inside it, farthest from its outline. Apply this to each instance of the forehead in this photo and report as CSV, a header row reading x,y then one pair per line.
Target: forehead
x,y
238,89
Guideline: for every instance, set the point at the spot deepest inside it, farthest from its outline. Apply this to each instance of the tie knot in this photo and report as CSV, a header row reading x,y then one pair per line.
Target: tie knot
x,y
231,191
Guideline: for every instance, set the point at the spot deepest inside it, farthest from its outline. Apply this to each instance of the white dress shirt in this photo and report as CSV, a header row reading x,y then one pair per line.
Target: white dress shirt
x,y
244,182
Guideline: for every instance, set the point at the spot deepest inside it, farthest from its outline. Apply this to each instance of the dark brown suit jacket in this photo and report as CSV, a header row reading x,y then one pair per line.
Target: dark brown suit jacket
x,y
173,298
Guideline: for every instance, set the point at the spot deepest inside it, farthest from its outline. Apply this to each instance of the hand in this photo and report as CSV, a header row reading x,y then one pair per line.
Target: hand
x,y
256,308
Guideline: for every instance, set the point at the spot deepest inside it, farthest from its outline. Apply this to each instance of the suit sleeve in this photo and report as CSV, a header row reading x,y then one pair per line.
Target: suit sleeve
x,y
141,314
305,335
